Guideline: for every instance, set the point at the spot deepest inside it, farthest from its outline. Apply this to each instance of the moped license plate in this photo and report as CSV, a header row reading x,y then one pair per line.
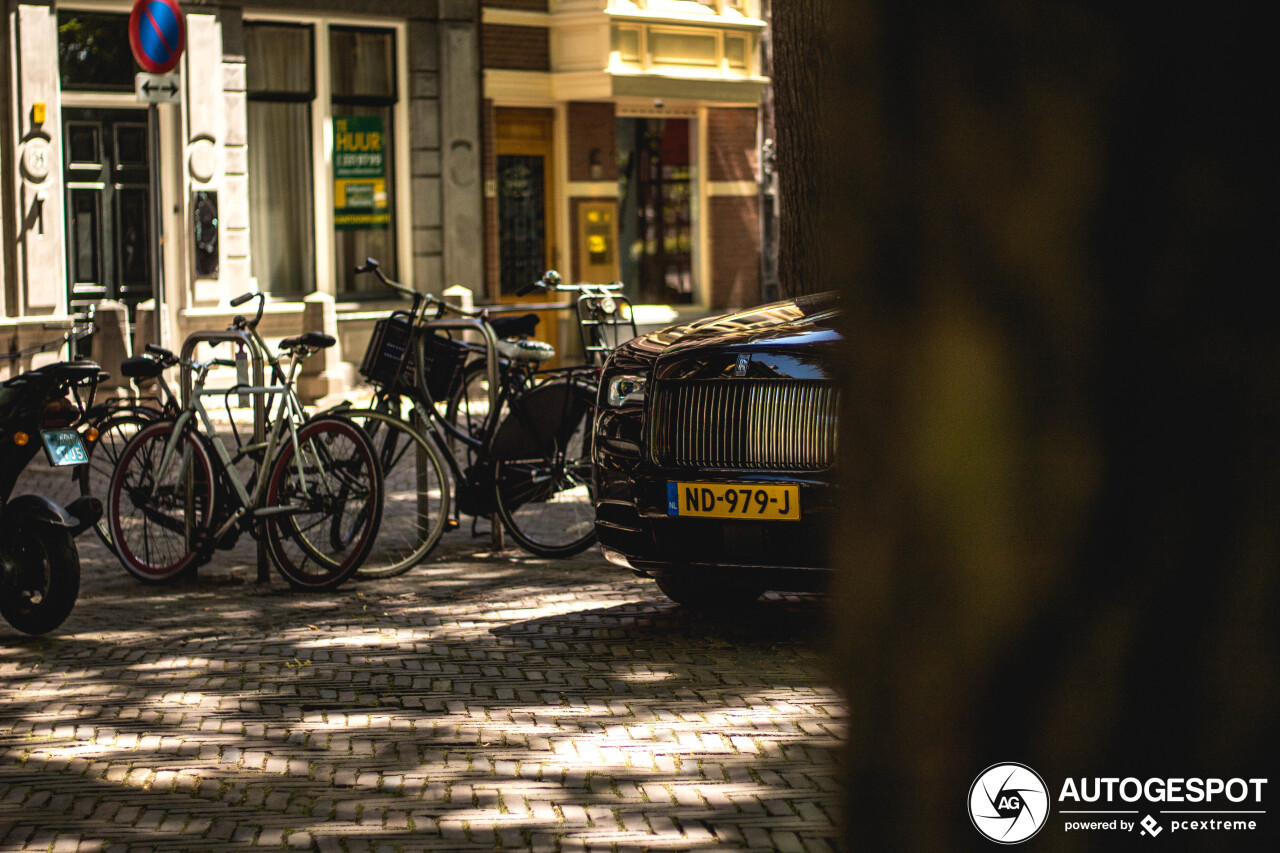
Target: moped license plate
x,y
753,501
63,447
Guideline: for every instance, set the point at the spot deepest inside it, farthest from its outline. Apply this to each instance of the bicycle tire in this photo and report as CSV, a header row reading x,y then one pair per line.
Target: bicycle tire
x,y
333,508
467,406
415,503
150,535
114,432
545,498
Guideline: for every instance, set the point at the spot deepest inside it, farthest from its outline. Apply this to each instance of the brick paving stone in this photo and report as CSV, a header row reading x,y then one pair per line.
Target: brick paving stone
x,y
484,700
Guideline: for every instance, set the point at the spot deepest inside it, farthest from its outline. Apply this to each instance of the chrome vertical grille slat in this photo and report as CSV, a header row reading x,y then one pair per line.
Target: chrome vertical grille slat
x,y
744,424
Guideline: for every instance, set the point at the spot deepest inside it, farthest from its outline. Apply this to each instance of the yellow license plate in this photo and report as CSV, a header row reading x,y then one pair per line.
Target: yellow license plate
x,y
734,500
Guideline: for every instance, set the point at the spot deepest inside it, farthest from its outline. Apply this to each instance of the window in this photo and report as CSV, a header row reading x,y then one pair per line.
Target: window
x,y
656,208
93,51
363,82
299,104
279,73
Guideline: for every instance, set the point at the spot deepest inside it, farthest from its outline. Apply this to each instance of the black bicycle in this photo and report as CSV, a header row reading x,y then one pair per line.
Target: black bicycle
x,y
514,436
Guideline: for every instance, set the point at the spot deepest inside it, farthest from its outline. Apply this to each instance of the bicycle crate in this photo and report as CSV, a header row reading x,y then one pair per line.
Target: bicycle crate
x,y
391,359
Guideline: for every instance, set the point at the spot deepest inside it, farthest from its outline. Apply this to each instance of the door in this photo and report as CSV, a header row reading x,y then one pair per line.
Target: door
x,y
109,228
526,221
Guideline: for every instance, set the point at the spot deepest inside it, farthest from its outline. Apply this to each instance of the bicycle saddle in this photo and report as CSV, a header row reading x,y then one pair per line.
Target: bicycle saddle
x,y
141,367
314,340
514,327
520,350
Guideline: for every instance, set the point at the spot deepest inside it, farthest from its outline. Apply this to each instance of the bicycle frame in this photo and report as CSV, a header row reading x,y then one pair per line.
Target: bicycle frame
x,y
288,414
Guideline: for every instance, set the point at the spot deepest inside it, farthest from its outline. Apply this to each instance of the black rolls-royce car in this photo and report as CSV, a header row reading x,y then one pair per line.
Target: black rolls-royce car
x,y
714,448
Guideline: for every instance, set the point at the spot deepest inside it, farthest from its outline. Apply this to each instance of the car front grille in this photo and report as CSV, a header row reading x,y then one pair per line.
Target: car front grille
x,y
748,424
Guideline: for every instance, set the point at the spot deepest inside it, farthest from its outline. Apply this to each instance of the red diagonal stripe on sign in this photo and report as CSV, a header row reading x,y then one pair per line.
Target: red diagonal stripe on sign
x,y
159,32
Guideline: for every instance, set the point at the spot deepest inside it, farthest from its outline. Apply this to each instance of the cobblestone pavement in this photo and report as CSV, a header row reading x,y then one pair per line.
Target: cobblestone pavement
x,y
483,701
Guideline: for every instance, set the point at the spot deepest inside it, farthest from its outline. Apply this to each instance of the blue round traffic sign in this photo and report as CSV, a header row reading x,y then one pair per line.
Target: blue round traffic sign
x,y
157,34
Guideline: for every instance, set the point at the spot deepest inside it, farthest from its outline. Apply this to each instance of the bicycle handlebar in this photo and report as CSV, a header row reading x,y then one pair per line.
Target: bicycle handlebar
x,y
239,321
551,282
371,265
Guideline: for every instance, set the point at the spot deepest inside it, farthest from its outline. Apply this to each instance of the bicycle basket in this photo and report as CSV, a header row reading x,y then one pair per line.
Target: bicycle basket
x,y
391,360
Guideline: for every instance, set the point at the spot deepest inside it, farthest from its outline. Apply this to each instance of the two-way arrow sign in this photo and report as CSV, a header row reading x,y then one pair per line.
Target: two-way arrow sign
x,y
157,88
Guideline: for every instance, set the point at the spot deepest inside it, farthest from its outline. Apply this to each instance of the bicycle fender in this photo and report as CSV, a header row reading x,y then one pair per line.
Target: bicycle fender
x,y
540,421
25,509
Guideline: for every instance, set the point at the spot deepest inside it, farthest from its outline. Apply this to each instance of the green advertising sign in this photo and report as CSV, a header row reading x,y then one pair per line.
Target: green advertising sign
x,y
359,174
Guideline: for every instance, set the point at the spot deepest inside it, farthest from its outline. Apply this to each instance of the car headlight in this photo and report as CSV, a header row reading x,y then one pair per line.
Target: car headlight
x,y
626,389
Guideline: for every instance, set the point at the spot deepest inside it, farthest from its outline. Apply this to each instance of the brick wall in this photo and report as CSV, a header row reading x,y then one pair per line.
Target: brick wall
x,y
515,48
732,154
734,230
592,126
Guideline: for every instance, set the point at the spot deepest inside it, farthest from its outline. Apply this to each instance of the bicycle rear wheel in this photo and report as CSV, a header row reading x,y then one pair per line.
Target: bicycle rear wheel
x,y
327,502
543,476
114,432
415,505
158,516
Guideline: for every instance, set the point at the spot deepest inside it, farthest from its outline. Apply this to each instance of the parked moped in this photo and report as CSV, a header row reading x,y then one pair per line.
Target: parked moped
x,y
39,562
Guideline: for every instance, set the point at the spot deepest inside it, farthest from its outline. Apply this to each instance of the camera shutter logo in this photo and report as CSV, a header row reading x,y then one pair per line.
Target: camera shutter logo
x,y
1008,803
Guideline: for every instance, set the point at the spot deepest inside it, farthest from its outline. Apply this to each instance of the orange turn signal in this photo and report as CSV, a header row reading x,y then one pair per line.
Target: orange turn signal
x,y
91,434
21,439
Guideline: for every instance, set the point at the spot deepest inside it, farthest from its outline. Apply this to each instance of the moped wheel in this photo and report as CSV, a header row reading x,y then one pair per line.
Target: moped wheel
x,y
415,503
323,504
159,517
41,577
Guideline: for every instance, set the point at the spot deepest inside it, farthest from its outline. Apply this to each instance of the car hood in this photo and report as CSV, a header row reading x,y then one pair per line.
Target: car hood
x,y
790,339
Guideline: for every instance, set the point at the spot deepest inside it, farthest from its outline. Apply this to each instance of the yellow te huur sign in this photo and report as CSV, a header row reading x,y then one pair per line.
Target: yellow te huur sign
x,y
359,174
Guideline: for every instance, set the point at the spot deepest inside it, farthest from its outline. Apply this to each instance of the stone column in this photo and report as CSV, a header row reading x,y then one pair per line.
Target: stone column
x,y
42,287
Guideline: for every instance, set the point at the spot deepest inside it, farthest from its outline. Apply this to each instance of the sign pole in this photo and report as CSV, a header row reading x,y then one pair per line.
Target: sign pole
x,y
157,219
157,37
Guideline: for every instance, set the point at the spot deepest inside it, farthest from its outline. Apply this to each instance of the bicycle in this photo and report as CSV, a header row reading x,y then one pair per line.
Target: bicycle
x,y
314,493
527,453
113,422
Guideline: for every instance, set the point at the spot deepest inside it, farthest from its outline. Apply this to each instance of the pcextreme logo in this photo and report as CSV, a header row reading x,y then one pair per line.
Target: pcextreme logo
x,y
1008,803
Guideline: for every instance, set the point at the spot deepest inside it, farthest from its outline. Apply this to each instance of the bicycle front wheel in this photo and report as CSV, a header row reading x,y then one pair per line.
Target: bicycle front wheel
x,y
323,504
114,432
160,510
415,504
544,495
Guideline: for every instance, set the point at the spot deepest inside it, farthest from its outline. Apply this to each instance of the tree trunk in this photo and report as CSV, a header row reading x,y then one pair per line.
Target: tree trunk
x,y
1061,437
799,65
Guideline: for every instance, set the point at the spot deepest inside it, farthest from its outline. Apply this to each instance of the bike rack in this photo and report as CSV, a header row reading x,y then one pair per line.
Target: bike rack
x,y
491,349
258,390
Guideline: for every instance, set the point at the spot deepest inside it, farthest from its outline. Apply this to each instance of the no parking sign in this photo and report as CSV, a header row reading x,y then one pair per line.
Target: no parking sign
x,y
157,34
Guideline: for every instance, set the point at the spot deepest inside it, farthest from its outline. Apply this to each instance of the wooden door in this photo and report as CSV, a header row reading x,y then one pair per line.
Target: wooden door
x,y
523,145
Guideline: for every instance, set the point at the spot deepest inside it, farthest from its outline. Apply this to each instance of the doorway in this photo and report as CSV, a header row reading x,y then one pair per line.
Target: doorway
x,y
656,208
523,145
110,235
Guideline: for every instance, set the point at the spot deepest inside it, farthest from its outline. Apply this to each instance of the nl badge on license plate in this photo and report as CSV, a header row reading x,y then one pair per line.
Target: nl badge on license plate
x,y
63,447
748,501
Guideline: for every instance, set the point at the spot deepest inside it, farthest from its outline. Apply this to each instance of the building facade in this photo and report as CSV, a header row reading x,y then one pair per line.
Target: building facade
x,y
622,143
303,136
460,142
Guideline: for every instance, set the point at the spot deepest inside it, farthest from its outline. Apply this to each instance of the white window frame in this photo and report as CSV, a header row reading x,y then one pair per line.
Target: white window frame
x,y
327,274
